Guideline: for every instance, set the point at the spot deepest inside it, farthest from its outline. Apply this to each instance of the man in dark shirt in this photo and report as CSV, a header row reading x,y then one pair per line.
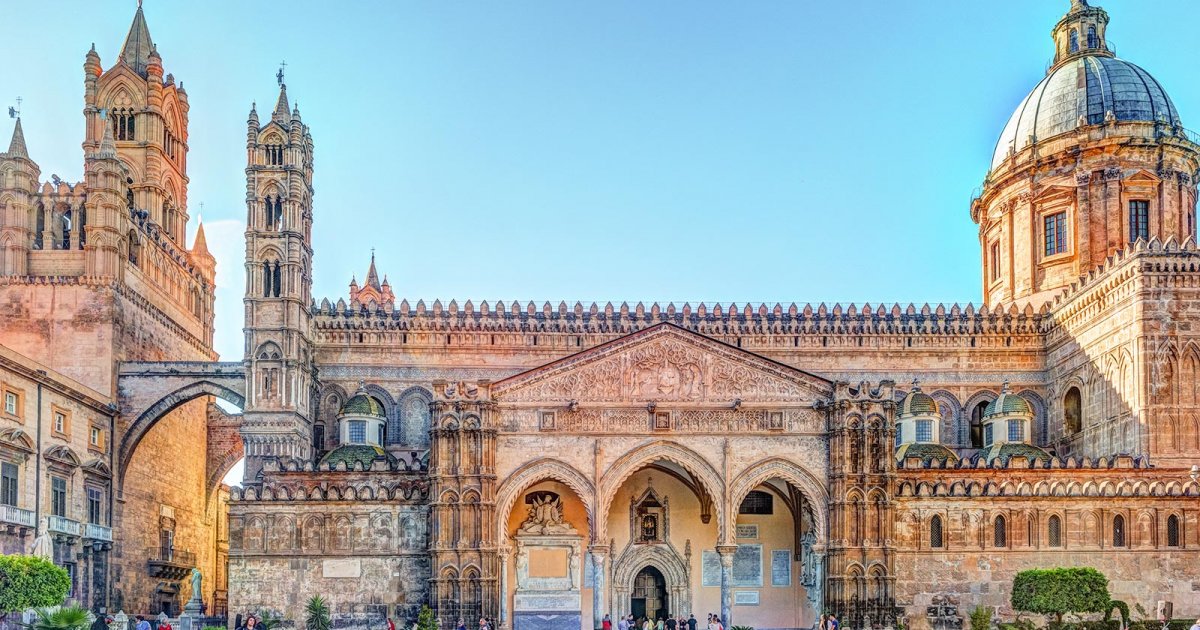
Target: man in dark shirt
x,y
691,622
670,622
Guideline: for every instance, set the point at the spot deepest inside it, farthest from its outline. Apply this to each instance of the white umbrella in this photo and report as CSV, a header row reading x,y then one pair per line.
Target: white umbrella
x,y
42,547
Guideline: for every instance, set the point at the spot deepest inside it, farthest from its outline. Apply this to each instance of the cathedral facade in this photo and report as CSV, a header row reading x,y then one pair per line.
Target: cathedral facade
x,y
547,465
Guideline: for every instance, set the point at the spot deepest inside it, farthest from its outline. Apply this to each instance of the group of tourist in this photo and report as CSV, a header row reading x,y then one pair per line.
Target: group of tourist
x,y
628,622
829,622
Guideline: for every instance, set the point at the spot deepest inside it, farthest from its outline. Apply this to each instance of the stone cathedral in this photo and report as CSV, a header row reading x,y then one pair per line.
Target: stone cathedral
x,y
546,465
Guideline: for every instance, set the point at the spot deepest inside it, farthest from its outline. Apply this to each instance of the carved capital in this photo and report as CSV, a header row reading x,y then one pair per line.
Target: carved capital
x,y
1083,178
1112,173
1025,197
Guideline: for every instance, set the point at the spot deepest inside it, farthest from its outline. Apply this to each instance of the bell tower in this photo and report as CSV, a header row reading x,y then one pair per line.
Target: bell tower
x,y
278,350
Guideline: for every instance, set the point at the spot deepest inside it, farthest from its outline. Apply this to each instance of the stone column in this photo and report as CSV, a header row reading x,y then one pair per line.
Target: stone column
x,y
505,553
599,585
726,553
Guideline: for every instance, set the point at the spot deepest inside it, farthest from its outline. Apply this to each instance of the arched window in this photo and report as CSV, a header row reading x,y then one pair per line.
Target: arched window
x,y
977,424
935,533
1074,41
1118,531
897,435
64,230
271,279
273,212
40,221
1073,411
1000,536
1092,40
1054,531
1173,531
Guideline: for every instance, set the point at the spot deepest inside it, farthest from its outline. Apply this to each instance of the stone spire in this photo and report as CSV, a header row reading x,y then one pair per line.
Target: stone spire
x,y
200,244
16,148
372,275
138,45
108,146
282,113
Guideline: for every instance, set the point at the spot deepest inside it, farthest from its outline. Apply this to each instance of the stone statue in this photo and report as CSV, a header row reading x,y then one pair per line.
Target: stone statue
x,y
545,517
574,563
522,566
196,578
808,568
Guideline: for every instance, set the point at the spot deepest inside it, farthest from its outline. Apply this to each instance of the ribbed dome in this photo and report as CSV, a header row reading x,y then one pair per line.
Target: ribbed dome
x,y
1083,91
916,403
362,404
1008,404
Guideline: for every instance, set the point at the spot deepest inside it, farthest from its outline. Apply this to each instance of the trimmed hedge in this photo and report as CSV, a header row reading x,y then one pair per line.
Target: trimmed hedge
x,y
1061,591
1118,605
29,582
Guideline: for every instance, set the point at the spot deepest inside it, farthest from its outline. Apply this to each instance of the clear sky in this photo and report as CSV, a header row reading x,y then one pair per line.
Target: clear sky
x,y
778,151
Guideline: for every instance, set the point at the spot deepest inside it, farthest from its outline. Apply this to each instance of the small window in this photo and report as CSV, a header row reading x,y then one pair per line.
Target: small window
x,y
1055,232
1073,411
1173,531
1139,220
1074,40
995,260
898,435
935,533
987,435
1016,431
60,422
977,425
357,433
58,496
8,483
925,430
1000,536
95,500
96,438
757,502
318,437
1118,531
12,403
1054,531
1092,40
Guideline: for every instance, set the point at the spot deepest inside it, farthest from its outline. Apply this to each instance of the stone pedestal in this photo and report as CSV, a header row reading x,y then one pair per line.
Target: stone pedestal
x,y
549,581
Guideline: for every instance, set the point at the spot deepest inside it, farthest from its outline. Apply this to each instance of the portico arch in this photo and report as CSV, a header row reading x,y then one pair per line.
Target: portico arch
x,y
764,470
545,469
649,453
668,562
151,415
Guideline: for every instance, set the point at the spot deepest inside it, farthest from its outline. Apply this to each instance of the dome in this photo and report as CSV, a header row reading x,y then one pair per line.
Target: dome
x,y
1082,91
917,403
362,404
356,456
1008,404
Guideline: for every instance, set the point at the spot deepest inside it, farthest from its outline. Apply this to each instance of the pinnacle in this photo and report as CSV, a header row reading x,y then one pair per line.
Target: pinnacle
x,y
138,45
200,244
281,113
17,148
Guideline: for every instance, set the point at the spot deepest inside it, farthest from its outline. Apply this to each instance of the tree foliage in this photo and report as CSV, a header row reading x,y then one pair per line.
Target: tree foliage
x,y
1060,591
28,582
1118,605
66,618
426,620
317,613
981,618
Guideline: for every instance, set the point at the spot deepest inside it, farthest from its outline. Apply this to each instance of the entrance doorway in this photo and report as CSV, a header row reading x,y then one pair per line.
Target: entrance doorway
x,y
649,597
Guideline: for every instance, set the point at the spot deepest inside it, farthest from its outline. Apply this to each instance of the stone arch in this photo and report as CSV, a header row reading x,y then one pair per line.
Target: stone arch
x,y
147,419
764,470
1039,432
641,456
952,417
662,557
389,407
981,396
546,469
413,418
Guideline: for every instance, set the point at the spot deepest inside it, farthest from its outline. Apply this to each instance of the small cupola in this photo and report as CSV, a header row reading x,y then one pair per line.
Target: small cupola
x,y
1080,32
918,427
361,420
1007,419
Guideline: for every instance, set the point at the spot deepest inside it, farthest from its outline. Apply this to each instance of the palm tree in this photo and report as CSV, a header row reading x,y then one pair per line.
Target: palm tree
x,y
65,618
317,612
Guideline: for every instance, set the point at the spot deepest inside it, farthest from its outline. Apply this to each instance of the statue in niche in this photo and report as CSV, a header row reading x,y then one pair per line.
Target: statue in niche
x,y
522,566
808,574
574,564
650,527
545,516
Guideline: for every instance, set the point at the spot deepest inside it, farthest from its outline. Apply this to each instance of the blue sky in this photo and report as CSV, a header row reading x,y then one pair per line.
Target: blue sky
x,y
621,150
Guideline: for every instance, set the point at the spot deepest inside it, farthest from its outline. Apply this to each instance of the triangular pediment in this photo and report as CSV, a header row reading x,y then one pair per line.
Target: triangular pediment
x,y
663,363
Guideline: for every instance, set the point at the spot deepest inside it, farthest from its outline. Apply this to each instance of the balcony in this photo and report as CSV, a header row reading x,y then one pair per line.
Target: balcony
x,y
64,526
171,564
16,519
91,531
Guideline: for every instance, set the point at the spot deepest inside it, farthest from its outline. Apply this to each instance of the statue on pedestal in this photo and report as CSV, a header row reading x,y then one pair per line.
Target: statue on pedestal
x,y
545,517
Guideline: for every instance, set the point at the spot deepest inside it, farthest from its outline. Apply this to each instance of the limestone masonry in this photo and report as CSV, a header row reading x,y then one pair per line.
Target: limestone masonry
x,y
545,465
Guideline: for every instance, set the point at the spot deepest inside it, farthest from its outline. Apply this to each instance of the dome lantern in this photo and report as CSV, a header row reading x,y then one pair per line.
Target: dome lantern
x,y
1080,32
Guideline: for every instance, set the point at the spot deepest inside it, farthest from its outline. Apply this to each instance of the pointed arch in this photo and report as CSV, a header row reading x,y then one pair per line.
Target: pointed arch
x,y
537,471
647,453
795,474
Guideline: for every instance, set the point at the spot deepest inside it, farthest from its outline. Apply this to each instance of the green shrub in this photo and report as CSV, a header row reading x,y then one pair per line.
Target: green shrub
x,y
1121,606
1019,624
426,620
28,582
1060,591
268,620
205,628
66,618
981,618
317,613
1085,625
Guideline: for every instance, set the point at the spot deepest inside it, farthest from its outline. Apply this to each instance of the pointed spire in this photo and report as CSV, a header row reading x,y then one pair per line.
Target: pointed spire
x,y
282,113
16,148
200,244
138,45
372,275
108,146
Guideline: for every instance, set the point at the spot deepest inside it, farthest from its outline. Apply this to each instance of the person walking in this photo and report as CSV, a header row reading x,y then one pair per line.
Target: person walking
x,y
691,622
462,624
142,624
606,624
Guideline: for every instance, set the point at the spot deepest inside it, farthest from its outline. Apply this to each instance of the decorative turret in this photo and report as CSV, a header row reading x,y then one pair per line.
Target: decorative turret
x,y
16,147
1007,423
372,292
201,257
1080,32
20,188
